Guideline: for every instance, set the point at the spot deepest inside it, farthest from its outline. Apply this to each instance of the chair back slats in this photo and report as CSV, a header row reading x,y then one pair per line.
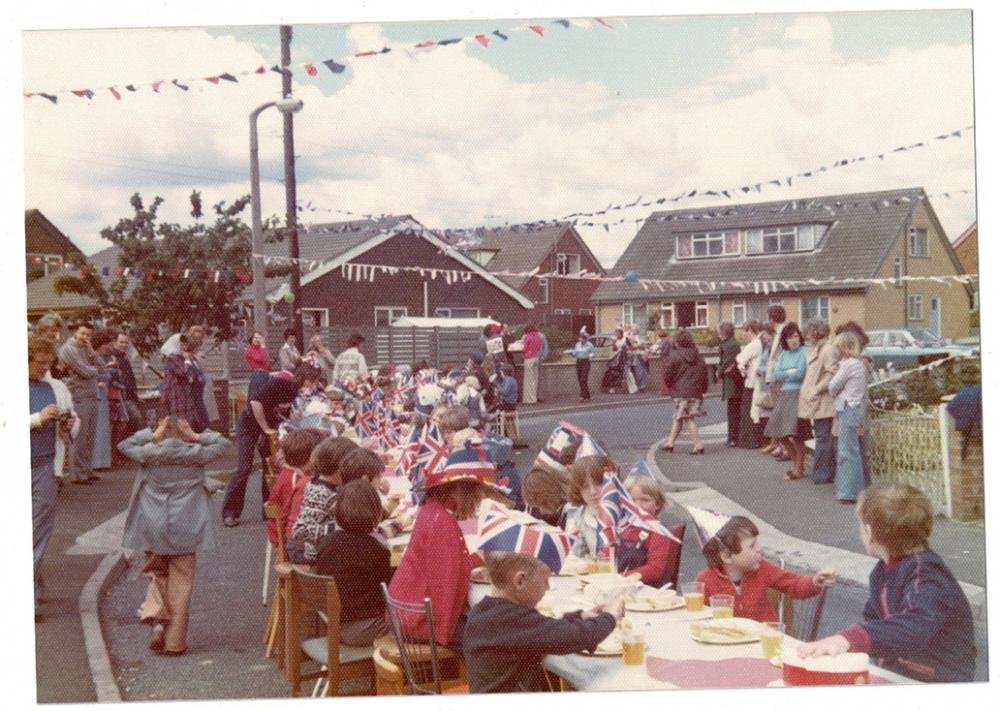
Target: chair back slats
x,y
311,593
418,657
273,513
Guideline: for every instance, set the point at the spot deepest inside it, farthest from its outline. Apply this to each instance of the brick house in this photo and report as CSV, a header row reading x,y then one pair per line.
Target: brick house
x,y
966,247
556,250
883,234
45,246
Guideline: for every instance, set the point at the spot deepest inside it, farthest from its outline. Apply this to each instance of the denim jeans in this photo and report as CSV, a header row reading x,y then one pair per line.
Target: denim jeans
x,y
248,434
825,456
850,477
43,514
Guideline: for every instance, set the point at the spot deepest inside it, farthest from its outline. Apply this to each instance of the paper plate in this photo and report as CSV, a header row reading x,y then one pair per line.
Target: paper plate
x,y
658,605
730,630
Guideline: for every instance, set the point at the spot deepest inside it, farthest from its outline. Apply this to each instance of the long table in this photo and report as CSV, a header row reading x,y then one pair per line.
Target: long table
x,y
672,655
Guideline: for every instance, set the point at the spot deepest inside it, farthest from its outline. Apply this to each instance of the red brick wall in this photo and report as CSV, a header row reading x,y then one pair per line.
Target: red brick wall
x,y
573,294
966,475
353,302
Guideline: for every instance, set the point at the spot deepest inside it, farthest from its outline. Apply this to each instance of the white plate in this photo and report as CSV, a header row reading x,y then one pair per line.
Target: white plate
x,y
610,647
661,605
703,631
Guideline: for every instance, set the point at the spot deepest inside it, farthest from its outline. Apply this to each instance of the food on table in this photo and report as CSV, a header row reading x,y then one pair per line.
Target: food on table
x,y
652,600
733,630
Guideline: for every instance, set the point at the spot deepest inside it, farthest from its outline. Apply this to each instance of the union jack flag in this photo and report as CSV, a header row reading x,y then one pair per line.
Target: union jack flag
x,y
503,530
388,433
406,389
562,435
617,511
427,377
367,419
433,452
408,457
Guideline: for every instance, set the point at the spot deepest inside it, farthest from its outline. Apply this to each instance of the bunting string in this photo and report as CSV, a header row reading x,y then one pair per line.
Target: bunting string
x,y
312,68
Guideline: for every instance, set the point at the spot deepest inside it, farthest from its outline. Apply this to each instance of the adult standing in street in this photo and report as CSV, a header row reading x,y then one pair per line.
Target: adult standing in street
x,y
350,363
582,352
532,353
288,354
261,417
687,381
205,389
864,429
849,386
776,320
326,359
103,344
183,383
257,359
169,519
542,357
662,348
126,417
50,326
785,425
815,401
732,380
83,368
46,418
748,361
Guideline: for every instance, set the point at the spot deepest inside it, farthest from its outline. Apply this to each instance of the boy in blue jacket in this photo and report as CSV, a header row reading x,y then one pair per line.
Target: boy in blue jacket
x,y
506,638
917,621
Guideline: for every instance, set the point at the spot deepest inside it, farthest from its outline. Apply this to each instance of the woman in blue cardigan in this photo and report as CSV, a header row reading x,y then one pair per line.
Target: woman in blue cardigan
x,y
169,519
785,423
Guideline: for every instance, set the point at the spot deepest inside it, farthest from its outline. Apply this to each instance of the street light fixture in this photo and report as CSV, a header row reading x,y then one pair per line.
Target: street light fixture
x,y
287,105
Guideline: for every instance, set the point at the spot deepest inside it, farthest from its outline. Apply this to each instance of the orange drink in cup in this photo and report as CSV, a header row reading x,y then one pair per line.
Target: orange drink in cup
x,y
772,634
694,596
722,605
633,649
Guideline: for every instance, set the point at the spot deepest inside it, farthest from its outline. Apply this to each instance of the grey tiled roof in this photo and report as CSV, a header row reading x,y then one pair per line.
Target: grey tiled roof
x,y
520,250
862,228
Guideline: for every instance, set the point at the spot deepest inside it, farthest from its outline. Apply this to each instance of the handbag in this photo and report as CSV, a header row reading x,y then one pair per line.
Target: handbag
x,y
763,399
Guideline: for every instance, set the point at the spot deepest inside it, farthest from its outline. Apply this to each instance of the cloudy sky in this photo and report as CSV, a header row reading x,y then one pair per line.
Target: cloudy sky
x,y
524,129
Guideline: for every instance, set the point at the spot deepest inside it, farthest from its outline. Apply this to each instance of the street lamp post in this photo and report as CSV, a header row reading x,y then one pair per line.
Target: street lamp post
x,y
287,105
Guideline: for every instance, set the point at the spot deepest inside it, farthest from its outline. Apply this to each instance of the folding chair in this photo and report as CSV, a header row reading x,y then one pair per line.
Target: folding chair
x,y
310,593
800,617
428,668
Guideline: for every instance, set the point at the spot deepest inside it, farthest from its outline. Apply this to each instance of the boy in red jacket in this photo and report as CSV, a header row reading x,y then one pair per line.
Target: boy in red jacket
x,y
738,569
297,447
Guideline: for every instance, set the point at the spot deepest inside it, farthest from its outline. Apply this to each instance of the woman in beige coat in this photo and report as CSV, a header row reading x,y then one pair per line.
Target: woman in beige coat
x,y
815,401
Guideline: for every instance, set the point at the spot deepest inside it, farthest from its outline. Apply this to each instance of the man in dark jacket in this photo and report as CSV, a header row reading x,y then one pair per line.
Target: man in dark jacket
x,y
732,380
686,378
128,419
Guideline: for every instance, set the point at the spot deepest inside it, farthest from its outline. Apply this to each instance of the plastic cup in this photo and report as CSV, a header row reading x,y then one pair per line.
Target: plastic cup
x,y
694,596
722,605
772,634
633,649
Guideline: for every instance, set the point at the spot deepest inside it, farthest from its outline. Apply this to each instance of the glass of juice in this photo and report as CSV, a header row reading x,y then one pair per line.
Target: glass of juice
x,y
722,605
694,596
633,648
772,634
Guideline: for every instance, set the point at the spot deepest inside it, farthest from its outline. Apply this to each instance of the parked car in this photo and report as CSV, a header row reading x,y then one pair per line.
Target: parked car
x,y
905,348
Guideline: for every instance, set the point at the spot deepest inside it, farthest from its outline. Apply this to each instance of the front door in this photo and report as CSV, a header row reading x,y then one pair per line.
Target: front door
x,y
685,314
936,315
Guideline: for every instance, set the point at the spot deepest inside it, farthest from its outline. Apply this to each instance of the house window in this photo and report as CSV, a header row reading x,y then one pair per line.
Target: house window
x,y
633,314
917,242
543,291
562,312
585,312
482,256
386,315
455,312
317,318
567,264
701,313
739,311
814,307
897,270
668,319
708,244
790,238
915,307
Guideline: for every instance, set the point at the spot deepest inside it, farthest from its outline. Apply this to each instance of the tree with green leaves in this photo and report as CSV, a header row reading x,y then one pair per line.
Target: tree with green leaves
x,y
177,276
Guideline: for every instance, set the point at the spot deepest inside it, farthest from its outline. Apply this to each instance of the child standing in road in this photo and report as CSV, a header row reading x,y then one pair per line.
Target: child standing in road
x,y
320,496
917,621
506,638
736,567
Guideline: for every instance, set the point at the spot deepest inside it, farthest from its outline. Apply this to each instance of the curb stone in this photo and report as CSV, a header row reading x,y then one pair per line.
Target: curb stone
x,y
108,571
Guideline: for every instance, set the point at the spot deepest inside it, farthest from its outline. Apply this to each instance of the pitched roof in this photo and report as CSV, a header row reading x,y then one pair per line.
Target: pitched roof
x,y
862,229
46,236
970,230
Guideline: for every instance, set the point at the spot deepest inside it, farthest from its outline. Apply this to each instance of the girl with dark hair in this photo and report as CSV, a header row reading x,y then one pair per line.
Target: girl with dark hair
x,y
785,423
686,378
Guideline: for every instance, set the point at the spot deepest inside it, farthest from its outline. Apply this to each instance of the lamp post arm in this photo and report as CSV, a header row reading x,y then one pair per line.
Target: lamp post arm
x,y
257,244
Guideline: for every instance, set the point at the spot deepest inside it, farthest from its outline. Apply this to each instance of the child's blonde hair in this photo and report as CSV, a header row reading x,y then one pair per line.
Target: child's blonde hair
x,y
900,516
848,344
646,486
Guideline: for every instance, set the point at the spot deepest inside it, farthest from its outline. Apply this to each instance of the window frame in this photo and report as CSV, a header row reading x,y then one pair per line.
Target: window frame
x,y
665,309
324,315
391,310
450,309
543,290
915,300
742,304
912,233
819,298
756,238
708,238
700,307
564,264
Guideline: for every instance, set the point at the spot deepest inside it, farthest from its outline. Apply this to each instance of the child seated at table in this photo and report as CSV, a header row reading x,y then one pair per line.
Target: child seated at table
x,y
917,621
288,489
545,493
640,550
358,563
318,501
437,564
586,481
506,638
736,568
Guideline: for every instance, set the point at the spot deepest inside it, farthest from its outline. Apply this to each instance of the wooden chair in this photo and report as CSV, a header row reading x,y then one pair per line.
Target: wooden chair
x,y
270,474
428,668
276,618
310,593
391,681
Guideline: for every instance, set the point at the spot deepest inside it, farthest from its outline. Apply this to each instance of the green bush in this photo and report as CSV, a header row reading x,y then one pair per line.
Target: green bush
x,y
926,387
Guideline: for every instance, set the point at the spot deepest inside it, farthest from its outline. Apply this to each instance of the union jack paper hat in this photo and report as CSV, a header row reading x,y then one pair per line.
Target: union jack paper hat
x,y
639,469
472,463
503,530
589,448
562,435
706,523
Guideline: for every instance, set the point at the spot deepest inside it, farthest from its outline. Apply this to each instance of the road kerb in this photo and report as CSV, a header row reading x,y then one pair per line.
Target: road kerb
x,y
107,571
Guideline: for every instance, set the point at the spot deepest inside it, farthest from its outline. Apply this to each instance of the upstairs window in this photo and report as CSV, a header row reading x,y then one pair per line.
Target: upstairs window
x,y
708,244
567,264
917,242
789,238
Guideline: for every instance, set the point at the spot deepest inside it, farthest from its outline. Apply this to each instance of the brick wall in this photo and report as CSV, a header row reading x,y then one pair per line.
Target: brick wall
x,y
966,474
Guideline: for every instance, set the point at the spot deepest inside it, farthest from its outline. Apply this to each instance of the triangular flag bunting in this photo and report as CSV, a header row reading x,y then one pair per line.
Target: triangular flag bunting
x,y
311,70
261,69
130,87
214,80
228,77
483,40
179,85
333,66
601,20
428,43
156,86
84,92
564,23
499,34
448,41
537,29
114,93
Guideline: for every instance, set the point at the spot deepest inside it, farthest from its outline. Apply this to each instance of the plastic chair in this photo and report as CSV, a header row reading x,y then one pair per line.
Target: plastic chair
x,y
310,593
421,660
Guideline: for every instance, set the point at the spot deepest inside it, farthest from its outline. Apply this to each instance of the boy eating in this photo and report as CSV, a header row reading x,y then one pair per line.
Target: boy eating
x,y
737,568
506,638
917,621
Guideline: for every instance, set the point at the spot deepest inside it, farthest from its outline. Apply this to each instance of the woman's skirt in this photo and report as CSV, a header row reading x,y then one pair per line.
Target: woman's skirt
x,y
688,407
785,420
751,433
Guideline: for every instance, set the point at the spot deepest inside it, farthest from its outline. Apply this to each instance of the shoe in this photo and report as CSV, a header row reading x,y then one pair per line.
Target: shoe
x,y
230,522
157,638
93,478
700,450
170,652
667,448
782,458
790,475
847,501
82,482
